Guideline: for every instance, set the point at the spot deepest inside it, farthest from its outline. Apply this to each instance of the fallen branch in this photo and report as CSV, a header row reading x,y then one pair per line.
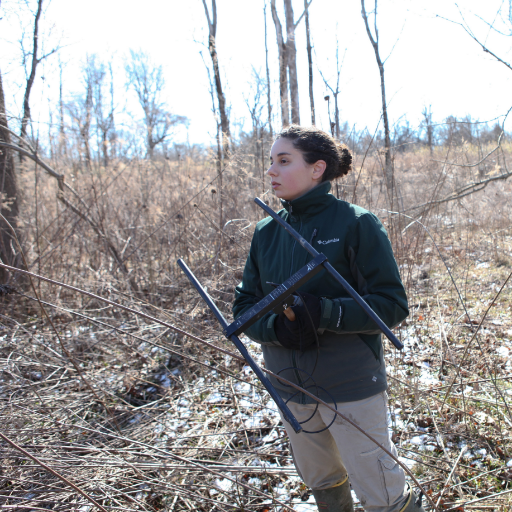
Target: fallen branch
x,y
53,472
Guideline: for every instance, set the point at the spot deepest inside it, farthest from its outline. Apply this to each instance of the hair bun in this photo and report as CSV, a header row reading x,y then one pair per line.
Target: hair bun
x,y
345,159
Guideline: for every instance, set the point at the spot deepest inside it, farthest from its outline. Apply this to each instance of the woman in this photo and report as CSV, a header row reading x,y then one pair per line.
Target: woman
x,y
332,348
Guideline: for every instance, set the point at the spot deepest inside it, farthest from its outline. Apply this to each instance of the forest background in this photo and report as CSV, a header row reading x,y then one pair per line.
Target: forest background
x,y
134,137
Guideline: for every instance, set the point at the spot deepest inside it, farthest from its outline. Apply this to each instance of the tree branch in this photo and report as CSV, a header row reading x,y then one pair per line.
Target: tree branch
x,y
214,17
48,169
21,141
302,15
488,154
365,18
46,55
31,78
396,42
470,33
462,192
207,16
53,472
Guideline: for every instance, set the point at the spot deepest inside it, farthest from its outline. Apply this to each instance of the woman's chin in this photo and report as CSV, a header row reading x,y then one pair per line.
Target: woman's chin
x,y
281,195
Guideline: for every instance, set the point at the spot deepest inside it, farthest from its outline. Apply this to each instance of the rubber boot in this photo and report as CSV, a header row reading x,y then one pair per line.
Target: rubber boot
x,y
335,499
413,503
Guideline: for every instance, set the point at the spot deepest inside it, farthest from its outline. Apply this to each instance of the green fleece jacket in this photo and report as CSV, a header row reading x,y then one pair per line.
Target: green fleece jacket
x,y
349,364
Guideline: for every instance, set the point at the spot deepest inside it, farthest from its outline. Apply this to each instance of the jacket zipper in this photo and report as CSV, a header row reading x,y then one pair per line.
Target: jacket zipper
x,y
313,236
294,352
302,395
293,251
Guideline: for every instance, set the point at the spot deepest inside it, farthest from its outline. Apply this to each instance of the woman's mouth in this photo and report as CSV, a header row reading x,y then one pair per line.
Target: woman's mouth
x,y
275,184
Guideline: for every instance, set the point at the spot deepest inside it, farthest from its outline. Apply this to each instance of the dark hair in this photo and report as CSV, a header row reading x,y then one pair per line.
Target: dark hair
x,y
317,145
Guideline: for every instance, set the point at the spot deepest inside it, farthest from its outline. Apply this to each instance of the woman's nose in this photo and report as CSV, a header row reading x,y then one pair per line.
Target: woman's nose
x,y
270,170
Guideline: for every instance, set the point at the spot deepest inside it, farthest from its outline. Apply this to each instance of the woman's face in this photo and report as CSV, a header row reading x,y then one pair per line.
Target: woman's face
x,y
291,176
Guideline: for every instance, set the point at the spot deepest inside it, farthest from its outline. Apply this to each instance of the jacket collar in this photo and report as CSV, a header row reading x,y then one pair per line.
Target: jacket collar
x,y
312,202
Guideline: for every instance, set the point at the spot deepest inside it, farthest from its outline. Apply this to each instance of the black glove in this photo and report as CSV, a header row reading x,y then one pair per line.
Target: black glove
x,y
301,333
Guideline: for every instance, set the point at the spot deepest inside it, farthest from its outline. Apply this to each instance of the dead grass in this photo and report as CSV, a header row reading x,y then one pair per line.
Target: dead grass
x,y
142,418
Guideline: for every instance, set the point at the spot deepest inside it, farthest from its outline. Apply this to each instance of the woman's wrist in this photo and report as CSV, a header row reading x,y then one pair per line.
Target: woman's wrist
x,y
332,316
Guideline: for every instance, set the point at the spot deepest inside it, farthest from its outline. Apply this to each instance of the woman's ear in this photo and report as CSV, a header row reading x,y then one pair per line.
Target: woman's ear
x,y
318,169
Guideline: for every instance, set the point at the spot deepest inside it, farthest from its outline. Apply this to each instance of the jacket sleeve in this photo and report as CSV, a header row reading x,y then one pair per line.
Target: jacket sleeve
x,y
248,293
375,271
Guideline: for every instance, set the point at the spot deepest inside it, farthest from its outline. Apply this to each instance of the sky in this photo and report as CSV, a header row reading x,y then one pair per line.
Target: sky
x,y
430,59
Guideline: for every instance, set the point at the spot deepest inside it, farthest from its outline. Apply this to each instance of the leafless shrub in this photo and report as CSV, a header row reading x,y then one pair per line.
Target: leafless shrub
x,y
140,417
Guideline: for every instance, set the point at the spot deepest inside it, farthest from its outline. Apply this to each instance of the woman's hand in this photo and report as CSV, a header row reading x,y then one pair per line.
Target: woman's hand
x,y
301,333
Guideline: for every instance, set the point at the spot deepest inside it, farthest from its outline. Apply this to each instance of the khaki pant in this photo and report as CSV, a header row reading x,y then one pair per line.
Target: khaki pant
x,y
324,460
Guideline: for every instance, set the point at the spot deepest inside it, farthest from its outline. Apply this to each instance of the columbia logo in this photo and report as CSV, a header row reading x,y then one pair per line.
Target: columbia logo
x,y
325,242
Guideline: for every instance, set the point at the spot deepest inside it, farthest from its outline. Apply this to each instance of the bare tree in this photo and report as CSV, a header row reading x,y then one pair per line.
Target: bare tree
x,y
219,146
374,39
212,47
62,135
429,129
254,101
291,52
310,63
103,104
283,65
335,126
80,109
288,83
147,80
255,105
9,202
269,99
332,125
31,73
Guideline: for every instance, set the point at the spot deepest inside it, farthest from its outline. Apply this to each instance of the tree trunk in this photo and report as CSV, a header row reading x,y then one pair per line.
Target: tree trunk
x,y
292,61
224,121
9,203
86,126
388,163
62,135
387,139
219,174
337,114
151,148
108,126
427,114
335,125
112,135
283,65
104,147
310,64
269,99
30,81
